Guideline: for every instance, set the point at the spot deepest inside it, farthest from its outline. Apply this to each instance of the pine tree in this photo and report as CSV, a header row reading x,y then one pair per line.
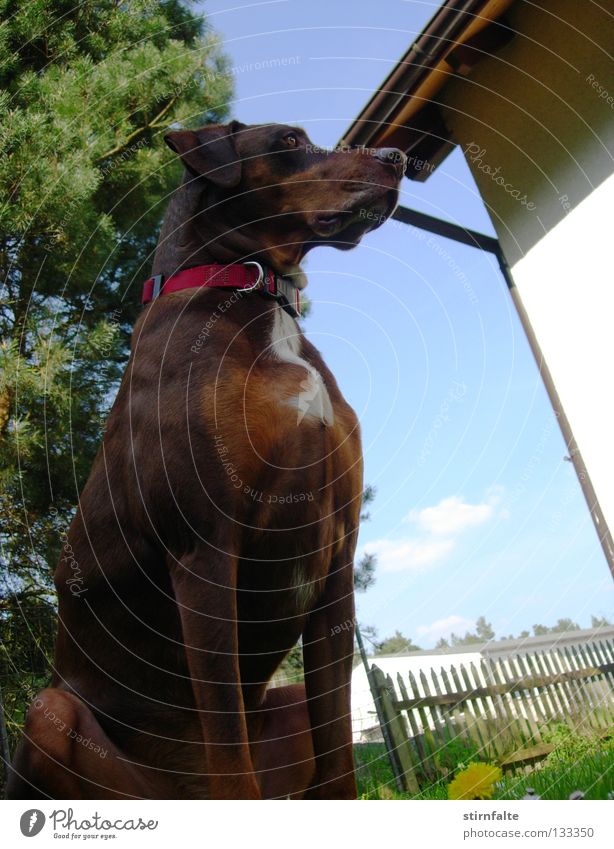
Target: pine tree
x,y
397,644
88,90
364,570
484,629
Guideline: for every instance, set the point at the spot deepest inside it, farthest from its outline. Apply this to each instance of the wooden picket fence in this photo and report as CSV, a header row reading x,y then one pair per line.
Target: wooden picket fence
x,y
501,706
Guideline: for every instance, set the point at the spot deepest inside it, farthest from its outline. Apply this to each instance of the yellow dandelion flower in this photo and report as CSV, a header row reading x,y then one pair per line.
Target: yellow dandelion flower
x,y
475,782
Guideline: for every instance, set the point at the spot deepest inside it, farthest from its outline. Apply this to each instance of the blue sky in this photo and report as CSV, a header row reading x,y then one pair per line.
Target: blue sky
x,y
477,512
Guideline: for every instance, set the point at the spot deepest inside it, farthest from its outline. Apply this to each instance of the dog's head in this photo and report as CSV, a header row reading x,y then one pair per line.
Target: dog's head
x,y
273,186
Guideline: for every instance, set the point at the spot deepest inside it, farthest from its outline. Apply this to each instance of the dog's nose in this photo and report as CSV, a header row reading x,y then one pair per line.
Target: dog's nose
x,y
392,156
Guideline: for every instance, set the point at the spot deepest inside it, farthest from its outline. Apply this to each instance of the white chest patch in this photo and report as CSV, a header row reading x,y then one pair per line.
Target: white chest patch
x,y
312,399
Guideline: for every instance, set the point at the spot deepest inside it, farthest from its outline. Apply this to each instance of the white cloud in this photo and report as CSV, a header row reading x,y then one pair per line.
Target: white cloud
x,y
444,627
438,529
453,515
406,554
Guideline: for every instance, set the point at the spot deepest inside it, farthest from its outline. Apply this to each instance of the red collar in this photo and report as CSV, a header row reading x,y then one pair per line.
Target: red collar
x,y
249,276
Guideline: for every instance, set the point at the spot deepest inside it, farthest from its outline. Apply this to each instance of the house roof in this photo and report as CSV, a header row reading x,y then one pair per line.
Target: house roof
x,y
404,112
495,648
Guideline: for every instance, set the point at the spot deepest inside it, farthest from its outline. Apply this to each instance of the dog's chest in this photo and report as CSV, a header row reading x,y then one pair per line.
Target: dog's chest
x,y
311,399
286,452
283,429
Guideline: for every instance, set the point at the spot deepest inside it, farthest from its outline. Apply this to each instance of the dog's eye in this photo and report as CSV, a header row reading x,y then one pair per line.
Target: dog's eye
x,y
291,140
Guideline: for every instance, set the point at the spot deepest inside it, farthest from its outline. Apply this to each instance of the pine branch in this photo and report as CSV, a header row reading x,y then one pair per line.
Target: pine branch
x,y
155,125
150,125
8,602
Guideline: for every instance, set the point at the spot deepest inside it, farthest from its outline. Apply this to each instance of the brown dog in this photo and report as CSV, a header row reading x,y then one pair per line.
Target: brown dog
x,y
219,521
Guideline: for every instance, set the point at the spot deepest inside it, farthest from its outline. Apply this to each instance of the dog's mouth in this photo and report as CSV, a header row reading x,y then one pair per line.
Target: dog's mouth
x,y
327,224
354,221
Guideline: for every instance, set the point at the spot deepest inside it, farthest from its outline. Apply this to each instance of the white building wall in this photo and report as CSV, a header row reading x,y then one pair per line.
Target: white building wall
x,y
566,282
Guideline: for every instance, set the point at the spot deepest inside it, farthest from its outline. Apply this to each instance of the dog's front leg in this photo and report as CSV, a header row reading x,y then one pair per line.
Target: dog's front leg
x,y
204,583
328,650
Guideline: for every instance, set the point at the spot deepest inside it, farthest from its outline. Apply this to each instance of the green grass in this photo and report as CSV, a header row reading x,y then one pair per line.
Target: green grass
x,y
593,774
375,778
373,773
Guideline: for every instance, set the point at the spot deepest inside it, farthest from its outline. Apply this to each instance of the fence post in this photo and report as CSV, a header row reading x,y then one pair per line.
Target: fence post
x,y
393,730
393,757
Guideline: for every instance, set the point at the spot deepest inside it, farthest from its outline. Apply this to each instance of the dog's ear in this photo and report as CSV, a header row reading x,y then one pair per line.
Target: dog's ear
x,y
209,152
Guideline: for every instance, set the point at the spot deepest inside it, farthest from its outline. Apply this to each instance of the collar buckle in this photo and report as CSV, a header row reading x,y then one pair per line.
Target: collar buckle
x,y
158,283
260,281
